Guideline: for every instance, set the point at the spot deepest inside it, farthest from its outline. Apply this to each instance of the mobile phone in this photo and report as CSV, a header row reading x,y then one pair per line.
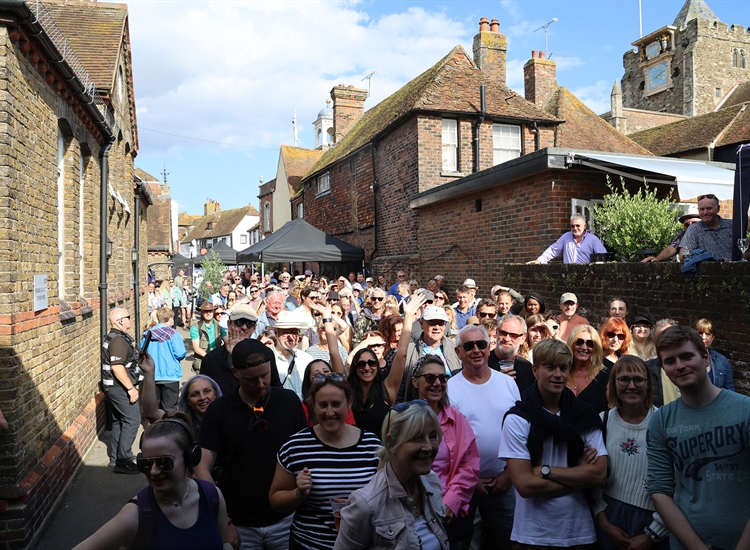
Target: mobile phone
x,y
144,343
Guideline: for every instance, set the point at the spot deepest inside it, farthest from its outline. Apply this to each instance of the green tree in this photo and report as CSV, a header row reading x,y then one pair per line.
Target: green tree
x,y
213,270
629,221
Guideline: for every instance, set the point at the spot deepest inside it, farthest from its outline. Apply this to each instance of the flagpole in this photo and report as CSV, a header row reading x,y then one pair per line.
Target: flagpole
x,y
640,17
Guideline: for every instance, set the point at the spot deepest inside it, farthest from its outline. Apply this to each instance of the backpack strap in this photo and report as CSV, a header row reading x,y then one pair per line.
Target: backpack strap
x,y
604,428
146,520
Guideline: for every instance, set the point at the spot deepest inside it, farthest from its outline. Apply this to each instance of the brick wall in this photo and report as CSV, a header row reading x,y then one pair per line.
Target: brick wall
x,y
49,359
720,292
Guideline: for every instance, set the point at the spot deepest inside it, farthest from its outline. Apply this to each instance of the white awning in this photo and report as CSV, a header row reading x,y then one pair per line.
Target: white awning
x,y
692,177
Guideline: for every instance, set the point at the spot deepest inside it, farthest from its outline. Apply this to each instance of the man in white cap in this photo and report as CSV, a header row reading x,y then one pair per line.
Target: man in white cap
x,y
689,218
432,341
568,318
290,361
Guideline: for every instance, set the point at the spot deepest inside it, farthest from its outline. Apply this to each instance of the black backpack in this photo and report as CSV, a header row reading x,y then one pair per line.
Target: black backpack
x,y
147,527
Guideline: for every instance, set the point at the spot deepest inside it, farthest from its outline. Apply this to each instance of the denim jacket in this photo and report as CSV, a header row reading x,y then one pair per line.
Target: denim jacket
x,y
379,515
722,369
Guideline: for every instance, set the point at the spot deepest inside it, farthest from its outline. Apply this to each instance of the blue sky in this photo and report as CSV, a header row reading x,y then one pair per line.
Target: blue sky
x,y
231,74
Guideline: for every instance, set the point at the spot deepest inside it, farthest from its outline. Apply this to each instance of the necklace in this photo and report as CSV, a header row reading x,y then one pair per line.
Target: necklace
x,y
174,502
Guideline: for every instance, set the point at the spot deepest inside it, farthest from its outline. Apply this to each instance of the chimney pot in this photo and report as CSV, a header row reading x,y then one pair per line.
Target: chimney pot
x,y
350,86
483,24
539,79
494,26
533,54
541,54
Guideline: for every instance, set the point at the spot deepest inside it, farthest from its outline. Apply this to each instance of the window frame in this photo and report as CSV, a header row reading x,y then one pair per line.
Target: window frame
x,y
499,149
323,183
449,147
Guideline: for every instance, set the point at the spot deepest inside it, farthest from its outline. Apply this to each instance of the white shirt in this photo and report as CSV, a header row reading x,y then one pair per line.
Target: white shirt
x,y
484,406
545,521
292,381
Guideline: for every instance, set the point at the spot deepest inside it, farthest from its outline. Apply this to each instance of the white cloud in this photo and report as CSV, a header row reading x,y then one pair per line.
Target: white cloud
x,y
235,72
596,97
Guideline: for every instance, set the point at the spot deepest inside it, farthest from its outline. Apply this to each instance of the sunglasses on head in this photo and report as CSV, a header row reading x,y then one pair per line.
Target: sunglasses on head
x,y
430,378
401,407
164,463
709,196
368,363
244,323
468,346
588,343
333,377
619,335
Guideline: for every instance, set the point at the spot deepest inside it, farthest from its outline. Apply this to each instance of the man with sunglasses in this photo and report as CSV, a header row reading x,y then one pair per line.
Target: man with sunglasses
x,y
576,245
217,364
369,317
483,396
119,375
674,247
713,233
241,434
511,334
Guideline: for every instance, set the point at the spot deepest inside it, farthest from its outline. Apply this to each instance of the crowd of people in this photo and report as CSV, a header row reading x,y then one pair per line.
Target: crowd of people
x,y
349,413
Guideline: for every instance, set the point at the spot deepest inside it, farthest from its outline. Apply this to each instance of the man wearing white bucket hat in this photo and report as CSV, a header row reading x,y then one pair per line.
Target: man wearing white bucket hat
x,y
290,361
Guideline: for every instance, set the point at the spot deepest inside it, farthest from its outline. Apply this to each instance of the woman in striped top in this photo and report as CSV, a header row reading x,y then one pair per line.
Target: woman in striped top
x,y
328,460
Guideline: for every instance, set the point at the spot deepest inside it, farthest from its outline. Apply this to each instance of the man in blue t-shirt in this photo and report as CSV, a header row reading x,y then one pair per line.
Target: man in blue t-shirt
x,y
698,455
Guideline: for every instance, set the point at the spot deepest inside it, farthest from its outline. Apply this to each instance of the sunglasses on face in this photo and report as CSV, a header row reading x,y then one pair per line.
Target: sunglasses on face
x,y
482,315
377,298
244,323
377,345
588,343
468,346
164,463
507,334
317,314
333,377
373,363
619,335
430,378
624,381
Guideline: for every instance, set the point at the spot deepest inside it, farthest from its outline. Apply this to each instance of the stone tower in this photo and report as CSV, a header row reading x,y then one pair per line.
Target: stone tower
x,y
689,67
617,119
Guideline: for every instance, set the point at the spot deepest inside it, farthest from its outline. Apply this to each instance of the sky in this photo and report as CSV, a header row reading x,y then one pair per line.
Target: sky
x,y
218,83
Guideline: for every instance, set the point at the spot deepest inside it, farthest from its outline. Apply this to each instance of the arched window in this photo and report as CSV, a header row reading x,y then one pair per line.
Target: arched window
x,y
735,58
318,137
743,60
267,217
330,136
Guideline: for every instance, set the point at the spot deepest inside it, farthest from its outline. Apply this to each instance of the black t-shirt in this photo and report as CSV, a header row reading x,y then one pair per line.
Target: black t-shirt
x,y
248,456
217,364
121,351
524,375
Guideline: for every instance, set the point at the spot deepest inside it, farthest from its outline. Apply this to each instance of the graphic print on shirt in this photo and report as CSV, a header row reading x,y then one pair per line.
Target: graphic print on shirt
x,y
630,447
720,447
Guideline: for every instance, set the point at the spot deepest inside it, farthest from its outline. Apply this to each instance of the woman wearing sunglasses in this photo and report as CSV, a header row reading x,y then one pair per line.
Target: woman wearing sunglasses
x,y
615,338
183,514
401,507
320,463
457,461
589,377
623,510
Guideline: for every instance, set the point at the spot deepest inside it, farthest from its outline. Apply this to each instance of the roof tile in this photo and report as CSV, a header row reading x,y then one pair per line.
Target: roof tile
x,y
224,223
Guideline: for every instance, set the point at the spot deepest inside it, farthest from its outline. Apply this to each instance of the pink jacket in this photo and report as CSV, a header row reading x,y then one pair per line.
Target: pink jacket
x,y
457,461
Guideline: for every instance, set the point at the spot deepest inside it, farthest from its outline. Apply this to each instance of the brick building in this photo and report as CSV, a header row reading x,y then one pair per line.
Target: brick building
x,y
66,165
689,68
161,234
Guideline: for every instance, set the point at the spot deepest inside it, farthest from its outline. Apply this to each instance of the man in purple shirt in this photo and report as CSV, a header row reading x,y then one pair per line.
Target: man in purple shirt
x,y
576,245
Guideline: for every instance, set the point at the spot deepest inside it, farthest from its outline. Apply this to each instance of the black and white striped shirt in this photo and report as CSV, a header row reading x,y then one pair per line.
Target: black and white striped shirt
x,y
335,472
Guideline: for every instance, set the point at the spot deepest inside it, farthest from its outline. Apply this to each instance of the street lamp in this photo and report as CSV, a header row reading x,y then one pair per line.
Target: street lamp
x,y
108,248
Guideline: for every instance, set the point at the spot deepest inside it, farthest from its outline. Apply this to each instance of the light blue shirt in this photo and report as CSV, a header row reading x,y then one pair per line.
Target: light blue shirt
x,y
573,252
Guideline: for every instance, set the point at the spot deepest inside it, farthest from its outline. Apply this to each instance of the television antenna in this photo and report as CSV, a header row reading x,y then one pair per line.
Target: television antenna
x,y
368,78
546,46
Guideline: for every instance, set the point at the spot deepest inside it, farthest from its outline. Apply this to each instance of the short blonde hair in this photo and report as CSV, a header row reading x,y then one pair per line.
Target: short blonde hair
x,y
403,426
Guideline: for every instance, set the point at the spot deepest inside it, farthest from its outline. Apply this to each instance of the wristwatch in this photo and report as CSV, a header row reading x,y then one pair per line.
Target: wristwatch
x,y
328,319
652,535
545,472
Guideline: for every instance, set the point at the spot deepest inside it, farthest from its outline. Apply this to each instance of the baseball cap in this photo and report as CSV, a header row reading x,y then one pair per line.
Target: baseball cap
x,y
438,277
308,272
344,292
287,319
369,280
356,286
243,311
568,297
470,283
428,295
641,319
433,313
252,349
333,296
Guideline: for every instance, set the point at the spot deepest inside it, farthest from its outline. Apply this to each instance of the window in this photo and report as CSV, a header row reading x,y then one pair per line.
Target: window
x,y
324,183
243,239
267,217
718,92
210,226
61,213
743,61
450,145
300,210
735,58
506,142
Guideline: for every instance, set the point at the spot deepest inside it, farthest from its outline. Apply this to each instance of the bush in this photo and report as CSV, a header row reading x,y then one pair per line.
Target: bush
x,y
627,222
213,270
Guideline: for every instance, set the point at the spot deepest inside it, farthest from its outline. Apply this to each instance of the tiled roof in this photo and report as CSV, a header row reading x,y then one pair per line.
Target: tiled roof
x,y
224,222
297,163
740,94
739,130
185,219
452,84
145,176
693,133
694,9
267,188
95,30
583,129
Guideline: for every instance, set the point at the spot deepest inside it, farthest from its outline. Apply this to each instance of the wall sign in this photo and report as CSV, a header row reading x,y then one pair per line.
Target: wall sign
x,y
40,292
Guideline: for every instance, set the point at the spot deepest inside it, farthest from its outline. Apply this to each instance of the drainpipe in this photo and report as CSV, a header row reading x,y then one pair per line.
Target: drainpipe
x,y
477,125
103,194
136,263
537,138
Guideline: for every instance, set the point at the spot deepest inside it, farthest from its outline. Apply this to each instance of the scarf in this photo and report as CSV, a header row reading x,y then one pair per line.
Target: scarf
x,y
575,418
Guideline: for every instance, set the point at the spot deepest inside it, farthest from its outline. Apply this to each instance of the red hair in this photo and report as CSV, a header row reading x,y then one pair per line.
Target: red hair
x,y
613,324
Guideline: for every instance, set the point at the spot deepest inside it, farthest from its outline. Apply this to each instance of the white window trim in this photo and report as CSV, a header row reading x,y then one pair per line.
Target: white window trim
x,y
324,177
449,145
498,149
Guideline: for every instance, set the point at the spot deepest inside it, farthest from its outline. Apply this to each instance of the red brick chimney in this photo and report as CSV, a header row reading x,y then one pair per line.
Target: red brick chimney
x,y
348,108
489,50
539,78
211,207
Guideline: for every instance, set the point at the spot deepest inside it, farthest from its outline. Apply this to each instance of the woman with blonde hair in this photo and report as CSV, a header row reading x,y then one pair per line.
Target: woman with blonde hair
x,y
588,377
538,330
378,515
452,328
642,344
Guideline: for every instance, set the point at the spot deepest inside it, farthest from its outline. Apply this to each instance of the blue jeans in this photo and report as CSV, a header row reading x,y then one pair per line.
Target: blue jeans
x,y
273,537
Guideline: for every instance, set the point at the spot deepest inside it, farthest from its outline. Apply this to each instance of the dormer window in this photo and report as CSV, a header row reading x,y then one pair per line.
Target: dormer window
x,y
210,226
